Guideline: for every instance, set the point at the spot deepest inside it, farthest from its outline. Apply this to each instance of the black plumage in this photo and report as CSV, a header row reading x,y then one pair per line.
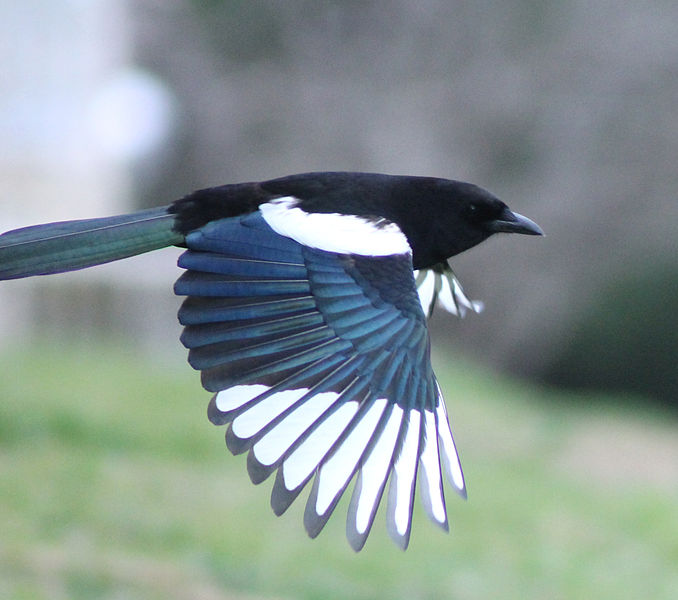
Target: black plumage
x,y
303,314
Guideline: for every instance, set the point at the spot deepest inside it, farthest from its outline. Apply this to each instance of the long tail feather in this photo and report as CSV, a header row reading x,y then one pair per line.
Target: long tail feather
x,y
70,245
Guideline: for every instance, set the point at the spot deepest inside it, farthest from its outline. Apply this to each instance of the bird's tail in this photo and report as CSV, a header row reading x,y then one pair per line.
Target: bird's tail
x,y
71,245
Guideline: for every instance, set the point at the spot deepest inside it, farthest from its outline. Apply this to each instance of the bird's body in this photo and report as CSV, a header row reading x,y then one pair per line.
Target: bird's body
x,y
304,318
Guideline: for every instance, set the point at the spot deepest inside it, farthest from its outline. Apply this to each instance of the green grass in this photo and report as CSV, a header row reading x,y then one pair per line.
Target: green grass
x,y
113,484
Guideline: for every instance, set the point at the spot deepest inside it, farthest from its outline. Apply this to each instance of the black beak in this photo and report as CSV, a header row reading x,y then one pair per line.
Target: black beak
x,y
510,222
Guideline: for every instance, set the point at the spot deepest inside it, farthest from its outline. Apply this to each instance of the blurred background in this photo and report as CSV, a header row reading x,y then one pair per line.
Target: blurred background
x,y
566,110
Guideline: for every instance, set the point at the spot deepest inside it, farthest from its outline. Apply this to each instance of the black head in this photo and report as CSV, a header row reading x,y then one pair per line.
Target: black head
x,y
465,215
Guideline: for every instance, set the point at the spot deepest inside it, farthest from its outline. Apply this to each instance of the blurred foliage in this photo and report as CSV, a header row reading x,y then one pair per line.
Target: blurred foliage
x,y
627,339
113,484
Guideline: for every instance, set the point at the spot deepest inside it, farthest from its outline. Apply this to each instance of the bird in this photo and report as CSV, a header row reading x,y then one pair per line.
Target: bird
x,y
305,311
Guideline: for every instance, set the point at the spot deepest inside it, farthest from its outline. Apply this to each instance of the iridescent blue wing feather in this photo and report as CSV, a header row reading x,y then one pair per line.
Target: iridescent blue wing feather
x,y
320,366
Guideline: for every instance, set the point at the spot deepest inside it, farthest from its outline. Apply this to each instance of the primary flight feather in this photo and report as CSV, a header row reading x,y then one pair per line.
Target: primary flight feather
x,y
305,319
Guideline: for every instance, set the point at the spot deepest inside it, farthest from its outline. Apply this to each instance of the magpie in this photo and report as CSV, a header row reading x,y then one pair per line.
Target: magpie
x,y
306,305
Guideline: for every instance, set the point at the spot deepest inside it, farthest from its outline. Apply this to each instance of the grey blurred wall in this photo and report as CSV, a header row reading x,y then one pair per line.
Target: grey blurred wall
x,y
566,110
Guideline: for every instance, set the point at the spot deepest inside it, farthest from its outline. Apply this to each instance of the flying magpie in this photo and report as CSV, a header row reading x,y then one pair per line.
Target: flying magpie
x,y
306,305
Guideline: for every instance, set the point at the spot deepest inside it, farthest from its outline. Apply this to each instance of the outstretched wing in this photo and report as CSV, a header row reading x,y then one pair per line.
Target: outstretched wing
x,y
320,366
